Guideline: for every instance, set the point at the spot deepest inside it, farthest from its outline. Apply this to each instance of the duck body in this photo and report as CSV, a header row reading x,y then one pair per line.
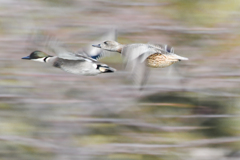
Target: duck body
x,y
158,60
139,57
154,55
73,63
83,62
81,67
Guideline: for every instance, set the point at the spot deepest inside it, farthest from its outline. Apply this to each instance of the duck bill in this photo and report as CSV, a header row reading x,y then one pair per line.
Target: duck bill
x,y
96,45
27,57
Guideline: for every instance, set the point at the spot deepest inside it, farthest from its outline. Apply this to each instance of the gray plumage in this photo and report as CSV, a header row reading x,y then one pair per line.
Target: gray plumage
x,y
84,66
76,63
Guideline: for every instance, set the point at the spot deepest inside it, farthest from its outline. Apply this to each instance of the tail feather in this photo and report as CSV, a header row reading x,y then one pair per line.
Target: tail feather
x,y
105,68
109,69
176,57
183,58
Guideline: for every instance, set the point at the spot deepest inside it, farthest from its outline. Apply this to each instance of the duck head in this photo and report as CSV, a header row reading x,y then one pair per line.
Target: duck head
x,y
112,46
37,56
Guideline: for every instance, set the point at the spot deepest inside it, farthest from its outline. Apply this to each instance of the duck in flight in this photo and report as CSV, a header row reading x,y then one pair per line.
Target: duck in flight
x,y
138,57
71,62
82,63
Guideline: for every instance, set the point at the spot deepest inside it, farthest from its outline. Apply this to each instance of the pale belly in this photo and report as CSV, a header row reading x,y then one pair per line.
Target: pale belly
x,y
76,67
158,61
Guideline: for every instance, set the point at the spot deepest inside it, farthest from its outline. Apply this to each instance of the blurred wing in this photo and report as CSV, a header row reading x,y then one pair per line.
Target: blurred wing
x,y
169,51
36,40
139,72
103,53
43,42
59,49
97,53
164,47
82,54
138,51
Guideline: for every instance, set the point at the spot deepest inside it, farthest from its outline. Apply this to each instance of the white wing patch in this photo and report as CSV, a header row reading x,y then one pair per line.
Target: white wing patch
x,y
94,65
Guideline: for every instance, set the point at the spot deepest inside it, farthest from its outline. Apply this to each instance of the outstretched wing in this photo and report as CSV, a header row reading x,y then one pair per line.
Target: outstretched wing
x,y
82,54
58,48
169,51
139,72
43,42
164,47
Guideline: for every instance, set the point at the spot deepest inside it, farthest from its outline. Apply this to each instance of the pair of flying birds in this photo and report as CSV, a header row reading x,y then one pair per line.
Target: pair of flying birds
x,y
138,57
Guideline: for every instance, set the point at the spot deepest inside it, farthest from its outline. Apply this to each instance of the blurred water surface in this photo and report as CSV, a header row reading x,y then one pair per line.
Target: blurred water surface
x,y
189,111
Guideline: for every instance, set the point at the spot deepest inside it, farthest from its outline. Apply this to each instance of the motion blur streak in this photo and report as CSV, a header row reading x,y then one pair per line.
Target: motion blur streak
x,y
188,111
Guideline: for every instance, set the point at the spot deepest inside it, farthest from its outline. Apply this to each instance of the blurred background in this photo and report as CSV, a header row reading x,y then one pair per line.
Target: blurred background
x,y
189,111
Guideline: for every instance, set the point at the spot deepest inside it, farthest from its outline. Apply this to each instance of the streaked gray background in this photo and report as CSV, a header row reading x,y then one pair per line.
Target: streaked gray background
x,y
189,111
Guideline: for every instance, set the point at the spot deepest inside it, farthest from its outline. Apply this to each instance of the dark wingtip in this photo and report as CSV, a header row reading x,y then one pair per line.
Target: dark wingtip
x,y
170,49
96,57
